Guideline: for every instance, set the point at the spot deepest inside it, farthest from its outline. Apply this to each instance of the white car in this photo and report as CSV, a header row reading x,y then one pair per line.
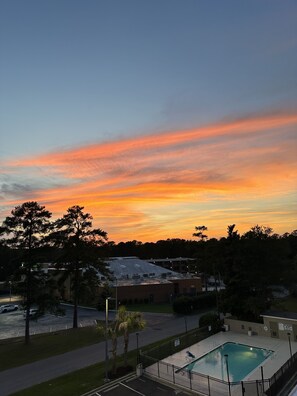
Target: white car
x,y
32,312
8,308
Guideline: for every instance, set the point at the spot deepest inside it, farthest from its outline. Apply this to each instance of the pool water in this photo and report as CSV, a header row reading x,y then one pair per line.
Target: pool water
x,y
241,360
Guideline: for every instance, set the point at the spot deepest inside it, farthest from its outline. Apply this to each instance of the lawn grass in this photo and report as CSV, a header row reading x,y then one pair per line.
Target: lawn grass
x,y
46,345
154,308
73,384
43,346
83,380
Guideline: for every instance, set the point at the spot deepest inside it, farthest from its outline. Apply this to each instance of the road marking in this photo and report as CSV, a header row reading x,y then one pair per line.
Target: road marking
x,y
133,390
112,388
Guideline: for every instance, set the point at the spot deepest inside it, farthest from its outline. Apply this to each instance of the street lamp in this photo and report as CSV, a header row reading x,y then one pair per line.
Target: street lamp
x,y
116,295
10,290
106,379
289,338
137,350
227,367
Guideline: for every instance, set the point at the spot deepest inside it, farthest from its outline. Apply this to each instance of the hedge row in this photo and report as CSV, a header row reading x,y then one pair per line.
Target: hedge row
x,y
186,305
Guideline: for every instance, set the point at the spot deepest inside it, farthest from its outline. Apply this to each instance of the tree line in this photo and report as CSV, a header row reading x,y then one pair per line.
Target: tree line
x,y
28,238
249,264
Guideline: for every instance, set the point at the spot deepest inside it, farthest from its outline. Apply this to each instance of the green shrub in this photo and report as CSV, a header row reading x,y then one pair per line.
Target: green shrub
x,y
186,304
183,305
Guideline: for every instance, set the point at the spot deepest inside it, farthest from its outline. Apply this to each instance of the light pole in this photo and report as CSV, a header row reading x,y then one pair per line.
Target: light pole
x,y
137,350
227,367
9,291
116,295
289,338
106,379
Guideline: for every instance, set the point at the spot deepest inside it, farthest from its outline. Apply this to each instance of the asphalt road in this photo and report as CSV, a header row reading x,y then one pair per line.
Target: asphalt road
x,y
159,326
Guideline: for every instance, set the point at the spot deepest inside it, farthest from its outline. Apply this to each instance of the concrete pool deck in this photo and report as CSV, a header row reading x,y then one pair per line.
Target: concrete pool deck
x,y
167,369
270,365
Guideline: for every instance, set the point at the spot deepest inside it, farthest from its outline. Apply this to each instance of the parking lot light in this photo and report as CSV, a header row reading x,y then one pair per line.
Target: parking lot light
x,y
106,379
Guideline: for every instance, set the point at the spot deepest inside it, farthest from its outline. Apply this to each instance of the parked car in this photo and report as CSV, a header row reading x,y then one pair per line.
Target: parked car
x,y
8,308
32,313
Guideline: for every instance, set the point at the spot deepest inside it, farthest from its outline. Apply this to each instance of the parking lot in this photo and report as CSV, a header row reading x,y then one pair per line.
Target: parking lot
x,y
139,386
12,324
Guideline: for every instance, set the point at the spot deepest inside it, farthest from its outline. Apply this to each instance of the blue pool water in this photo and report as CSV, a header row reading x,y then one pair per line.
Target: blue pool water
x,y
242,359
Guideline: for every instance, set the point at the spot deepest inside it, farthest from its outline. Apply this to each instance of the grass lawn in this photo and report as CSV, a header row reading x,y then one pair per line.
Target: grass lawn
x,y
80,381
74,384
45,345
155,308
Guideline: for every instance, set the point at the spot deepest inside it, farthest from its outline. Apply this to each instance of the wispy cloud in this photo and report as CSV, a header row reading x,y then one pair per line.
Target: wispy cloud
x,y
142,188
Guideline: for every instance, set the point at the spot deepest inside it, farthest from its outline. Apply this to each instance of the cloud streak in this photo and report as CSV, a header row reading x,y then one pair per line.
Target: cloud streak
x,y
129,185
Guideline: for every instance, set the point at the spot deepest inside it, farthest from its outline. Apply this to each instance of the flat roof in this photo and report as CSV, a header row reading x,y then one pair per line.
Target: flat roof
x,y
123,268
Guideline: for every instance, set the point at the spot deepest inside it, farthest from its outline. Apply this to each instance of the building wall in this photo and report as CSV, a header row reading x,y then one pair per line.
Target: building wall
x,y
160,292
188,285
243,327
156,293
272,327
280,327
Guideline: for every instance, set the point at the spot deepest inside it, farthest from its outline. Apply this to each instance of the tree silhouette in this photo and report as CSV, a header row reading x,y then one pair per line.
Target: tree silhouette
x,y
73,233
25,229
199,234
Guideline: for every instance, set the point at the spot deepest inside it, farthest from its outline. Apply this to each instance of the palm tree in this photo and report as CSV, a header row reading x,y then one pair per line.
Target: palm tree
x,y
124,324
128,322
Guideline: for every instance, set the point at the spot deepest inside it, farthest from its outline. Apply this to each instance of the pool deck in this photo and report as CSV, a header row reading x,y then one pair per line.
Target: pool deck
x,y
270,365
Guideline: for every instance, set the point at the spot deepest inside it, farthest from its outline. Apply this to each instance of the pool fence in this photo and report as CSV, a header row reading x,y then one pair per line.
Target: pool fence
x,y
152,365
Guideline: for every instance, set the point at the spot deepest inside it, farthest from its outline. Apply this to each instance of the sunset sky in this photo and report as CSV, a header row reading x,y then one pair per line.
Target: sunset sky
x,y
155,115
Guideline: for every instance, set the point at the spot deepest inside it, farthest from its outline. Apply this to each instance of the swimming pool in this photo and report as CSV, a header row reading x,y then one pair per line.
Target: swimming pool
x,y
240,361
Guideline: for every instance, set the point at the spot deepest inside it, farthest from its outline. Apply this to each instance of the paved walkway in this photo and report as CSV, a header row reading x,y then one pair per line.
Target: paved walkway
x,y
158,328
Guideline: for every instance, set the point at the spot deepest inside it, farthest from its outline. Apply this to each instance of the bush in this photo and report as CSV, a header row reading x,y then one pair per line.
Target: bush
x,y
186,304
183,305
210,319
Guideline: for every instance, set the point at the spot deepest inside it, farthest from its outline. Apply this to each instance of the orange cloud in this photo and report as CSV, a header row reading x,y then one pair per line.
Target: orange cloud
x,y
155,186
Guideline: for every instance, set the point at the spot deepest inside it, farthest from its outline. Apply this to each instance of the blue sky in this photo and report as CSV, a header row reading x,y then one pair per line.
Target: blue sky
x,y
81,73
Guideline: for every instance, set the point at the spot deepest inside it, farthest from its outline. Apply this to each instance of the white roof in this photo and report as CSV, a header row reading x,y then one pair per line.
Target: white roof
x,y
133,267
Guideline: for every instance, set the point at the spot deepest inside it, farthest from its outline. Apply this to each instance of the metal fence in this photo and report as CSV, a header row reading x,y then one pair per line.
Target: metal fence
x,y
282,377
153,365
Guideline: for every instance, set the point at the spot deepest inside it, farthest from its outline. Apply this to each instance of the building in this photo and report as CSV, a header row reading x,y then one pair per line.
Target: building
x,y
138,281
135,280
182,265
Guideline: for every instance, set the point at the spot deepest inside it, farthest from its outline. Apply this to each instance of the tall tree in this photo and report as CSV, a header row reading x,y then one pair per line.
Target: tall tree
x,y
253,263
79,242
24,230
200,234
